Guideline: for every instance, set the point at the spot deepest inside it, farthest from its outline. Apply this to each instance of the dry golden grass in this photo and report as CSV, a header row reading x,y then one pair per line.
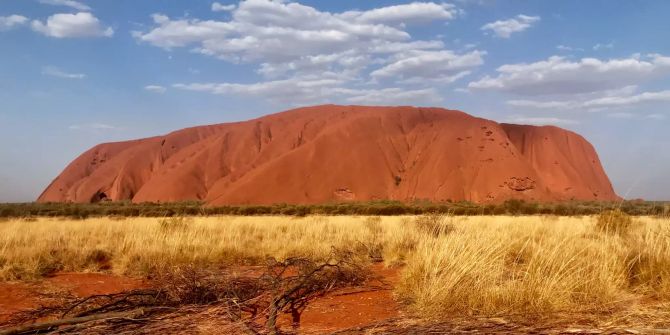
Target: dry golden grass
x,y
522,265
453,265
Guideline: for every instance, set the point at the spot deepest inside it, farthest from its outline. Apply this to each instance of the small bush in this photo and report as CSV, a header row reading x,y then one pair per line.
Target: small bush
x,y
303,211
7,212
374,225
374,244
174,224
47,264
614,222
99,259
514,206
434,224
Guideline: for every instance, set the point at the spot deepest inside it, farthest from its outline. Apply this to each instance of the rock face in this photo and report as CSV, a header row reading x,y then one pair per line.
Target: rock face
x,y
341,153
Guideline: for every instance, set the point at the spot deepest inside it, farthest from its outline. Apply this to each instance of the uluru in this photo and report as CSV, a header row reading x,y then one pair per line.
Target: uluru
x,y
336,153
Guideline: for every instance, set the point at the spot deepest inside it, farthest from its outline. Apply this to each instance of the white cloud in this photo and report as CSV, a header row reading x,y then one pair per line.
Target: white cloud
x,y
276,31
477,2
621,115
600,46
56,72
656,117
92,126
469,46
68,3
155,89
308,54
389,47
443,65
532,120
296,90
621,100
567,48
636,116
395,96
505,28
180,33
558,75
348,64
12,21
317,89
72,26
541,104
416,12
217,7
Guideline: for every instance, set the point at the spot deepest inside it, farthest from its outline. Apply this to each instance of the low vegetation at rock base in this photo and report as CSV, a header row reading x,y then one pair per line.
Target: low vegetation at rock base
x,y
121,209
451,265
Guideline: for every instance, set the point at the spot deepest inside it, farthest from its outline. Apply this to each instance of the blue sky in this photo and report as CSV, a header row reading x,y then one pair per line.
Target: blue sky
x,y
77,73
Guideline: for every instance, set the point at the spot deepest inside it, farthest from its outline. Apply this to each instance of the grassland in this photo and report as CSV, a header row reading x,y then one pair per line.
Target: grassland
x,y
484,265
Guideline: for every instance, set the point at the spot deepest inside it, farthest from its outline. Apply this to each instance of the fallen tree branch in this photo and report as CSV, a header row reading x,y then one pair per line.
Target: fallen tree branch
x,y
48,325
253,302
115,300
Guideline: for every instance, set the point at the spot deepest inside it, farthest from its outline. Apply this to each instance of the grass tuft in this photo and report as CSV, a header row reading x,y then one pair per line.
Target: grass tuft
x,y
614,222
435,224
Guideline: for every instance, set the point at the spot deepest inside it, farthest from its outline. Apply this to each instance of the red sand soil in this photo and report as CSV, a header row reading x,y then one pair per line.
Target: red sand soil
x,y
87,284
341,309
20,296
16,297
333,153
345,309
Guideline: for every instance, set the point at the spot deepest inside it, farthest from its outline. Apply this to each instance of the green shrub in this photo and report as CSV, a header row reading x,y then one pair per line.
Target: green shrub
x,y
7,212
514,206
377,207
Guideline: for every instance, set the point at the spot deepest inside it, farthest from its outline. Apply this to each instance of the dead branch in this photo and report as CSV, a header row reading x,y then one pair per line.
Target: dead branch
x,y
252,302
52,325
292,293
